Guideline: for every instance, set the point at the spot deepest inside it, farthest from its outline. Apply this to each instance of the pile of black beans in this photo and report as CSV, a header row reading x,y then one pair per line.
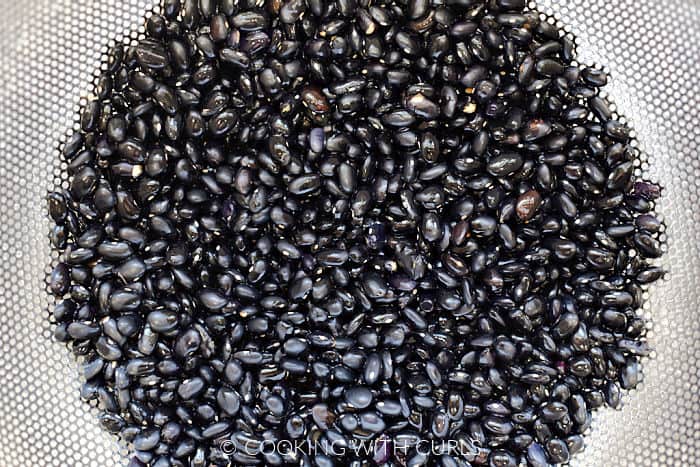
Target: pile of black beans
x,y
399,221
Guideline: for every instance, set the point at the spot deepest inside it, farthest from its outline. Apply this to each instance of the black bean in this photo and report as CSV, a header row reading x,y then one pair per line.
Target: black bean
x,y
84,183
304,184
79,330
124,300
162,321
536,455
398,118
631,375
222,123
216,430
505,164
422,107
147,440
322,416
57,207
332,257
536,129
558,451
648,190
358,397
511,4
115,251
291,11
417,8
108,349
347,177
484,226
166,99
372,422
594,77
90,116
132,270
648,246
59,282
228,400
317,139
549,67
650,275
249,20
526,70
600,258
151,54
212,299
190,388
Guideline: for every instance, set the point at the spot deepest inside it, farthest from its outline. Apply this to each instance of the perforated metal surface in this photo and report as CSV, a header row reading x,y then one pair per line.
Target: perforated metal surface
x,y
48,52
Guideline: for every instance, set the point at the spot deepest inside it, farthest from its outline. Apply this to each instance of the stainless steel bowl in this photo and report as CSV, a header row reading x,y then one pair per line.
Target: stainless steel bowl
x,y
48,52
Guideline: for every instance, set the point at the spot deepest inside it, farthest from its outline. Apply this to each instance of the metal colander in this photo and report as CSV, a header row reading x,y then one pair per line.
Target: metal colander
x,y
49,50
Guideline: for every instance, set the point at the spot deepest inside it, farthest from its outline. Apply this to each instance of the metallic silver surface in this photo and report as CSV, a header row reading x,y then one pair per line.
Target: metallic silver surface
x,y
48,52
